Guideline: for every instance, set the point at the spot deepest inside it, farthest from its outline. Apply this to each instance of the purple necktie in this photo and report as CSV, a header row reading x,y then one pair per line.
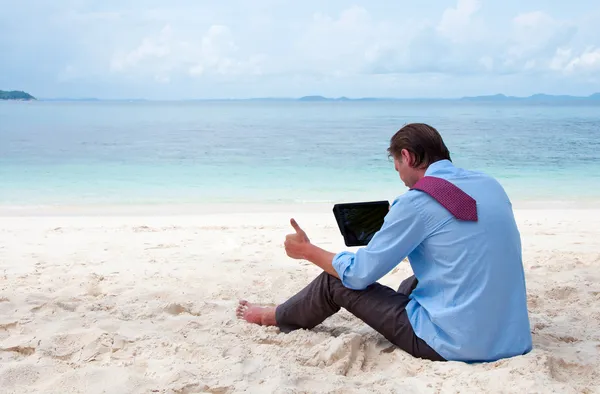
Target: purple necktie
x,y
459,203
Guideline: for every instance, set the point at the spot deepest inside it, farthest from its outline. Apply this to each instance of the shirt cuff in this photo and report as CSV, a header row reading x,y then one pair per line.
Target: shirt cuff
x,y
341,262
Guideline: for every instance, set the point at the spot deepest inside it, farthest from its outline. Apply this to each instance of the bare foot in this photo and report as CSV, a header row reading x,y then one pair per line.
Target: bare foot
x,y
263,315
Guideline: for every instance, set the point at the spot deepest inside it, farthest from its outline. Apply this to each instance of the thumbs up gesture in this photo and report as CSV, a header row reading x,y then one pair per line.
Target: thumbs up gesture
x,y
297,242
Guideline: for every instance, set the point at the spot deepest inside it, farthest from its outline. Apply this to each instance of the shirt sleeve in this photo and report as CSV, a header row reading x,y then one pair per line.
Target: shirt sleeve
x,y
402,231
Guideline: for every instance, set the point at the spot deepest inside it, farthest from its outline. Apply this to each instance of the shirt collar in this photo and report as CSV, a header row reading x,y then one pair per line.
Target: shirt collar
x,y
439,166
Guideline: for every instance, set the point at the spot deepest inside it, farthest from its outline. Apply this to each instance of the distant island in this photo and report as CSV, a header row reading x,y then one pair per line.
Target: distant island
x,y
321,98
536,98
15,95
539,98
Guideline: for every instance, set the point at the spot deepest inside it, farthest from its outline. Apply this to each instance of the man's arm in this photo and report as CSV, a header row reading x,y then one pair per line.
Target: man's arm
x,y
320,258
402,231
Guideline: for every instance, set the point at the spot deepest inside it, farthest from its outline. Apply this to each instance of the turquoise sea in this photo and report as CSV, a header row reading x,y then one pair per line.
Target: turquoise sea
x,y
281,151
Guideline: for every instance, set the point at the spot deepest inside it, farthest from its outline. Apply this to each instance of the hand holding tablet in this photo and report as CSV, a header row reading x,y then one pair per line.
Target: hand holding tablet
x,y
358,222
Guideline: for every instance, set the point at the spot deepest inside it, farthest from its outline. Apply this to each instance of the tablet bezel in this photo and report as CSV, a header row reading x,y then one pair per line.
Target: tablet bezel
x,y
337,212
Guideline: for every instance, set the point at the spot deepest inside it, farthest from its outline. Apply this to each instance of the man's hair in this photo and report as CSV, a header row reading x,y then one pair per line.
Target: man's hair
x,y
421,140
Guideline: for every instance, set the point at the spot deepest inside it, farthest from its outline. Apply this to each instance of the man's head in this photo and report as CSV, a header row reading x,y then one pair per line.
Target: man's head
x,y
414,147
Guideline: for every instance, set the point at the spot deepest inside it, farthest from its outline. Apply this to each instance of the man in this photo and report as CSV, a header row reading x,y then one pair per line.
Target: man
x,y
467,299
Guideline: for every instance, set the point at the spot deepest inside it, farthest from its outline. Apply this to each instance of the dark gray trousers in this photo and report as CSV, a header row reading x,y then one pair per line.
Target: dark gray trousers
x,y
382,308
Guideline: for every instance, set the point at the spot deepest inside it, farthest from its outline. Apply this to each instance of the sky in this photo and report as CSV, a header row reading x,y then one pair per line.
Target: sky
x,y
186,49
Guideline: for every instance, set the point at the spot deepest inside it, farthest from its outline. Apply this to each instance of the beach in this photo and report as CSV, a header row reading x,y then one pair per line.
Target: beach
x,y
153,155
130,231
94,300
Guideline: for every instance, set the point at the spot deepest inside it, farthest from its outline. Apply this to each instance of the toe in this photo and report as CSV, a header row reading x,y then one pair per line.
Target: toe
x,y
240,310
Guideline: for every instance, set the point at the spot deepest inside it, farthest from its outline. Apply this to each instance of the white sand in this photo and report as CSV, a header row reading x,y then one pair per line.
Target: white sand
x,y
142,304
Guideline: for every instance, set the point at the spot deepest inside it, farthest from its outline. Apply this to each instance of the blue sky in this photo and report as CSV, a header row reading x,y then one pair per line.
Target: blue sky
x,y
183,49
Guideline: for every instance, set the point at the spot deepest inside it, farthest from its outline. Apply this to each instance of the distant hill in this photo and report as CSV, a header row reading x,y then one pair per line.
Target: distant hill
x,y
15,95
595,96
314,98
495,98
536,98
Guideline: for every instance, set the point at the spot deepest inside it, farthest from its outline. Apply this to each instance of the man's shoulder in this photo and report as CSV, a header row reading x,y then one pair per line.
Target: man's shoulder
x,y
463,177
460,172
413,204
473,182
406,199
481,178
405,204
477,184
456,174
482,186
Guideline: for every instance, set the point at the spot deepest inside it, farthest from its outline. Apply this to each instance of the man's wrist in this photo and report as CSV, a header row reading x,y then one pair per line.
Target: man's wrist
x,y
308,251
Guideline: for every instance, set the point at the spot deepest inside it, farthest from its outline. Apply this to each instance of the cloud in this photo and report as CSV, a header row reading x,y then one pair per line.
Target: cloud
x,y
457,43
270,47
586,62
456,22
337,45
219,54
167,53
451,45
487,62
537,35
150,49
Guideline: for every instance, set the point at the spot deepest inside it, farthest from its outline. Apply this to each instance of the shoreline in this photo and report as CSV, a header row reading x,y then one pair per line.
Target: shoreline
x,y
179,209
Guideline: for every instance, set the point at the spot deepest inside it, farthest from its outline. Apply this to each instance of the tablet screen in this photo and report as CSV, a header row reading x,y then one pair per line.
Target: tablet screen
x,y
358,222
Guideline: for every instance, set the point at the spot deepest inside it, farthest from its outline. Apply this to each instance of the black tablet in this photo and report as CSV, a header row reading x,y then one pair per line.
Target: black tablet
x,y
359,221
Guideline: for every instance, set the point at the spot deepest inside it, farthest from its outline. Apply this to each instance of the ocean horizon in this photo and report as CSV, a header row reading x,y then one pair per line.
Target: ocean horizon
x,y
281,151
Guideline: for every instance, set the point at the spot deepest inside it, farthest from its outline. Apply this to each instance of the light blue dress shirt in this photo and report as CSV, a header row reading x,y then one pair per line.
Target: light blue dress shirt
x,y
470,303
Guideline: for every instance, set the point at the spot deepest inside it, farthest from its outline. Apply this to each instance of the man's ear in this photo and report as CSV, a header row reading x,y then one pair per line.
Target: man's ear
x,y
407,157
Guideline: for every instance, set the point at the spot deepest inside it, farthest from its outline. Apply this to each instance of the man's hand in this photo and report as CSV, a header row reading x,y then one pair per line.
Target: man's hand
x,y
296,244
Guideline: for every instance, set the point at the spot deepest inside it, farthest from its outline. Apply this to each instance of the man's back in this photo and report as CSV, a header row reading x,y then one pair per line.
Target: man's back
x,y
470,303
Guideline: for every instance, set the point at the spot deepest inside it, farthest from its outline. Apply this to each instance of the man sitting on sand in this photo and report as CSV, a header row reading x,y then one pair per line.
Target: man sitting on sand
x,y
467,299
